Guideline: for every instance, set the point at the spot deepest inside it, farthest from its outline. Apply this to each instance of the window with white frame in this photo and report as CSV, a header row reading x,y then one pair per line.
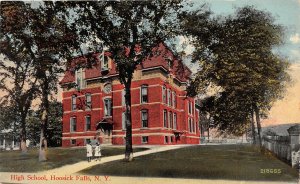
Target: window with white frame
x,y
190,125
171,120
174,99
190,107
79,77
87,123
104,63
88,101
73,124
164,94
124,121
175,121
144,115
107,107
144,139
73,103
165,119
144,94
73,141
169,97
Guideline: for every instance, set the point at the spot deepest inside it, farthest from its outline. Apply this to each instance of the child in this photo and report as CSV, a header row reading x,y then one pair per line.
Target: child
x,y
89,151
97,151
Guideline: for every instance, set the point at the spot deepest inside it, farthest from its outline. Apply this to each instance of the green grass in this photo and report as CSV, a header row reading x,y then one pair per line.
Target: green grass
x,y
15,161
234,162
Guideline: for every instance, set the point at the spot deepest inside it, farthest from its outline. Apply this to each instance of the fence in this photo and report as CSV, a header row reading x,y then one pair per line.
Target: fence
x,y
279,145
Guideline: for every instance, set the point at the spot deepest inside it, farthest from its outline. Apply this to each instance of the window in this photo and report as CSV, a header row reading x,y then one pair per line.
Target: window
x,y
124,121
73,103
169,97
170,119
165,119
104,63
190,107
166,139
171,139
144,139
73,141
88,101
80,82
144,114
164,95
190,125
174,99
144,94
175,121
87,123
107,107
73,124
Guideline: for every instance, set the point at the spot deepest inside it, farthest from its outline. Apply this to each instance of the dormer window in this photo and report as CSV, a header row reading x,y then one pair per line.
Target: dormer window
x,y
104,63
79,79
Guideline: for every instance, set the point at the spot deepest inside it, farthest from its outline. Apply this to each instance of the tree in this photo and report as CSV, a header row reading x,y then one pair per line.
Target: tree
x,y
131,30
54,125
42,37
239,60
16,68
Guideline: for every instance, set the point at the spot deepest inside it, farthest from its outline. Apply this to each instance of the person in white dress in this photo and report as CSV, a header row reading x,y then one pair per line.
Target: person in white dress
x,y
97,152
89,151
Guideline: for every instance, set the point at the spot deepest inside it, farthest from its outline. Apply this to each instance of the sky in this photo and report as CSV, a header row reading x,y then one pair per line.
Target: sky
x,y
286,13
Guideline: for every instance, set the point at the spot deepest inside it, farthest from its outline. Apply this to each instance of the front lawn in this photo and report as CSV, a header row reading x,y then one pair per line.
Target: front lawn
x,y
14,161
234,162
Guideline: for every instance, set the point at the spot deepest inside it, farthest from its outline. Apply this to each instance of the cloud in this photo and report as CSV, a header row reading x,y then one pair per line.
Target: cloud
x,y
185,45
295,38
295,54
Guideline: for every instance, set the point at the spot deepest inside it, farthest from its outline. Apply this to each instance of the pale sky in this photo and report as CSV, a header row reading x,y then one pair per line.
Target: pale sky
x,y
286,13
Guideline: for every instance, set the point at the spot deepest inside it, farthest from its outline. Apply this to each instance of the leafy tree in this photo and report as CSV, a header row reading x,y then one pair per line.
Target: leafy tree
x,y
41,37
16,68
54,125
131,30
239,59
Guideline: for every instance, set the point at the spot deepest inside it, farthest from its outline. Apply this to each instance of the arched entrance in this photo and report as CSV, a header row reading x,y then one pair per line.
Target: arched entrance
x,y
104,130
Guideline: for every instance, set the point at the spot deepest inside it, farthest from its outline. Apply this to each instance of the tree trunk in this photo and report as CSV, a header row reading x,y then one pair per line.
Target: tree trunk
x,y
258,125
44,122
128,149
23,136
253,128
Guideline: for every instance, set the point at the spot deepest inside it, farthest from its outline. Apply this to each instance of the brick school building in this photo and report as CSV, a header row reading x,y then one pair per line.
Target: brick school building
x,y
161,112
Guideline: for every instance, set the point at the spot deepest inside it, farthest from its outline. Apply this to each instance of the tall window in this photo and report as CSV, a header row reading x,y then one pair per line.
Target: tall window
x,y
73,103
144,94
104,63
144,114
87,123
79,78
73,124
175,121
174,99
107,107
190,125
190,107
171,120
164,94
165,119
88,101
124,121
169,97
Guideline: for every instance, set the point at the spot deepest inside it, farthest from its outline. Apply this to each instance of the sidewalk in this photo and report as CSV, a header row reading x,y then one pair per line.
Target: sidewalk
x,y
74,168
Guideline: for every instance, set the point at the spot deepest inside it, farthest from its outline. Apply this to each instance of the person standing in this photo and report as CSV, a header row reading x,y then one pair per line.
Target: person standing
x,y
97,152
89,151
